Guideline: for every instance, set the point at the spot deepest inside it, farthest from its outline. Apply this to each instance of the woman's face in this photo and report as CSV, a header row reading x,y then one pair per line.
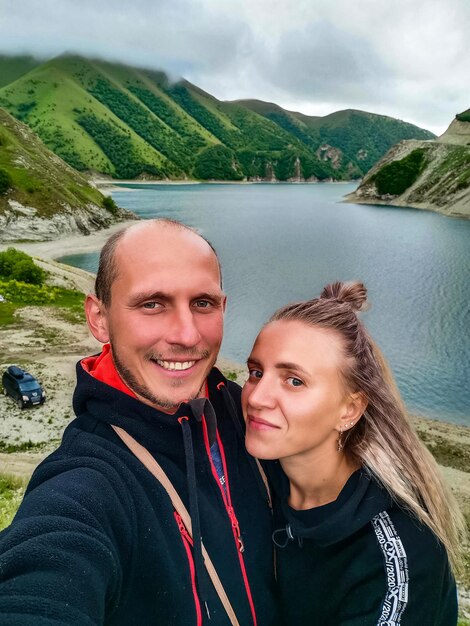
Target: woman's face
x,y
294,400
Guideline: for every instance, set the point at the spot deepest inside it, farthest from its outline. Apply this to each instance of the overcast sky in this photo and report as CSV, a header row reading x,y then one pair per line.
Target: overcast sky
x,y
404,58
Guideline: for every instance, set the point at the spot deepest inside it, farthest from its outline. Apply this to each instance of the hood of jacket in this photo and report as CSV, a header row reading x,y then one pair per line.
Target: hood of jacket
x,y
355,509
160,431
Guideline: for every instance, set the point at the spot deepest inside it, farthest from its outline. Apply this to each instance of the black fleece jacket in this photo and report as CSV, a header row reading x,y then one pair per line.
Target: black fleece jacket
x,y
360,561
95,540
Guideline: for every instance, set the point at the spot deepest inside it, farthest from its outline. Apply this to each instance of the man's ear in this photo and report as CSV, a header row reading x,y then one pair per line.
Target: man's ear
x,y
224,304
97,318
356,405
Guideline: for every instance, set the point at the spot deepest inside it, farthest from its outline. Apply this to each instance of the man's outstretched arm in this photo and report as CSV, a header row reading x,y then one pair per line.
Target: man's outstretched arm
x,y
59,561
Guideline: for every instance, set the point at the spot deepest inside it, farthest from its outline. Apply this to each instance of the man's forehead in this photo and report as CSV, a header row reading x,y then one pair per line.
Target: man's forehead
x,y
156,253
158,235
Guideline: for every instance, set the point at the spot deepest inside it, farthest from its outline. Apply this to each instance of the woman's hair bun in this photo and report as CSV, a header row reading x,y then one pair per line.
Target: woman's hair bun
x,y
353,293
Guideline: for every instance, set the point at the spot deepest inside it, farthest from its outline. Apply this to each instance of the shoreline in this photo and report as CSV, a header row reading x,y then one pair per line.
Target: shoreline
x,y
433,208
72,244
107,186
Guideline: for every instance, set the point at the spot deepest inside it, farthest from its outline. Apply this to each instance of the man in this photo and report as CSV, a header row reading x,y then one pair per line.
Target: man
x,y
97,539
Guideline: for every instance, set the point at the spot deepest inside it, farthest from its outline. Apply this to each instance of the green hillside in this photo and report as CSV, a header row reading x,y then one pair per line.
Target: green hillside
x,y
126,123
362,138
37,187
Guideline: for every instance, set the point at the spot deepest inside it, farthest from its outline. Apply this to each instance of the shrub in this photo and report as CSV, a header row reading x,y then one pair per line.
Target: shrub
x,y
396,177
26,271
110,205
5,181
118,147
217,163
463,117
17,265
137,117
9,259
203,115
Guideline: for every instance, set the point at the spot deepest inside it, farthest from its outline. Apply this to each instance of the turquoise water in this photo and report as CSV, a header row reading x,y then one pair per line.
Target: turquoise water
x,y
280,243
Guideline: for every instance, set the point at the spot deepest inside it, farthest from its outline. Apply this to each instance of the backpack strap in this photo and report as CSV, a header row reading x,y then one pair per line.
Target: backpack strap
x,y
266,483
154,468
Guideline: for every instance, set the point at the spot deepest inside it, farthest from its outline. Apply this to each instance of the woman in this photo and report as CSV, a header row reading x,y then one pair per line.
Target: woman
x,y
366,532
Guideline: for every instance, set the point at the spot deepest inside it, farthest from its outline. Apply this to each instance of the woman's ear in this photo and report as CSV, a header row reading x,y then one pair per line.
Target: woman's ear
x,y
97,318
355,406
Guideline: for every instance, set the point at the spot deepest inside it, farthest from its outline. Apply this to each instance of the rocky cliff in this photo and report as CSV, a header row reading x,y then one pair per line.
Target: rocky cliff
x,y
41,197
433,175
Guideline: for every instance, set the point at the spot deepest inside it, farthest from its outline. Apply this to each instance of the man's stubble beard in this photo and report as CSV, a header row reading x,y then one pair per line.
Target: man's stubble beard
x,y
143,391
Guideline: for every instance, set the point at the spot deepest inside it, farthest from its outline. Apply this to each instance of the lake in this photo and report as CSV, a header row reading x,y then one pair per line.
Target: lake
x,y
280,243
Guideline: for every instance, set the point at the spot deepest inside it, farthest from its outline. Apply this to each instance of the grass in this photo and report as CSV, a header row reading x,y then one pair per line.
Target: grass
x,y
73,314
7,313
25,446
68,302
11,493
447,453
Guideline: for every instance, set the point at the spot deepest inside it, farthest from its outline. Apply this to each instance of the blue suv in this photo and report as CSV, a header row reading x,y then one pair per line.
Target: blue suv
x,y
22,387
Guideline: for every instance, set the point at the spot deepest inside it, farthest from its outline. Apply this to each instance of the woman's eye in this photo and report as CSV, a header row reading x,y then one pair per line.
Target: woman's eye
x,y
294,382
255,374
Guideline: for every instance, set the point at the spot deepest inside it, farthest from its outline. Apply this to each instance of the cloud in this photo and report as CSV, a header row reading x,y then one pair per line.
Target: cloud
x,y
322,61
177,35
406,58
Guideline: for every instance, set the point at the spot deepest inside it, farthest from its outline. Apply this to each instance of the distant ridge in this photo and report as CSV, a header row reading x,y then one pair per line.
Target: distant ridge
x,y
360,136
127,122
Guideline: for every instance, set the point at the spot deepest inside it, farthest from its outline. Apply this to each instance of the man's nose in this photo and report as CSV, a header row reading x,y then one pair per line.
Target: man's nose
x,y
183,329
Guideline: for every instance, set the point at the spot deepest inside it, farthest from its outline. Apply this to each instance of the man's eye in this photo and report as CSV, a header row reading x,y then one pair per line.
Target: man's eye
x,y
202,304
255,374
294,382
151,305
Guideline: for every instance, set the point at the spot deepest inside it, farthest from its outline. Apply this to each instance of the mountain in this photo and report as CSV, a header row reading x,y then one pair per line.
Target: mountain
x,y
431,175
41,197
127,122
356,136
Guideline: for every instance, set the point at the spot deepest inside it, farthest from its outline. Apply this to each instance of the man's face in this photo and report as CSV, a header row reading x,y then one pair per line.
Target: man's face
x,y
165,320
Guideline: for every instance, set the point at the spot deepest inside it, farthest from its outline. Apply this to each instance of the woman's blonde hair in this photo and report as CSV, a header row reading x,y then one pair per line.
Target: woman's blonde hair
x,y
383,440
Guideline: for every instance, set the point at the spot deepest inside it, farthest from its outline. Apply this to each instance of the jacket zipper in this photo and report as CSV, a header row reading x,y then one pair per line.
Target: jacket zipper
x,y
188,543
226,497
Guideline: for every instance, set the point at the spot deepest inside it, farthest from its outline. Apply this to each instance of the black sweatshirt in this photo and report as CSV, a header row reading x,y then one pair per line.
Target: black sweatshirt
x,y
360,561
96,541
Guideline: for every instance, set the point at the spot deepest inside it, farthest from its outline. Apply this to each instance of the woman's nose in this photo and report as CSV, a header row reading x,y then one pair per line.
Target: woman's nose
x,y
262,394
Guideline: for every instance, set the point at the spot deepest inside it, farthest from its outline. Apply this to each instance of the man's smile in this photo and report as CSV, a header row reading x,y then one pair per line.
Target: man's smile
x,y
175,365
